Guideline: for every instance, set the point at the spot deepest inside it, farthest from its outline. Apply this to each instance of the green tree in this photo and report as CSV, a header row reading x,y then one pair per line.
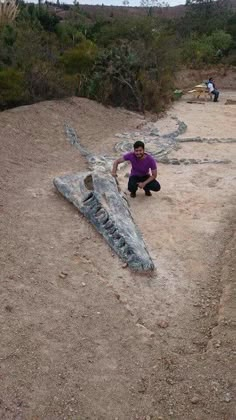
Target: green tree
x,y
80,58
205,16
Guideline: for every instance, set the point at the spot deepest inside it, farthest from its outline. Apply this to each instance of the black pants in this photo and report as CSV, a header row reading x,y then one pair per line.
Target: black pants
x,y
216,94
151,186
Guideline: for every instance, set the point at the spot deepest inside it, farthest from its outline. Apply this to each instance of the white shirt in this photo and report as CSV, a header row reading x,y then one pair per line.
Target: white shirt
x,y
210,87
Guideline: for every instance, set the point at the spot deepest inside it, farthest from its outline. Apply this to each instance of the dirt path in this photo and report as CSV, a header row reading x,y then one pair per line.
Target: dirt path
x,y
83,338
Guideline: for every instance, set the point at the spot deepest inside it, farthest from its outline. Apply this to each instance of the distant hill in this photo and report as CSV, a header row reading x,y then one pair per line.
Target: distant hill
x,y
118,11
101,11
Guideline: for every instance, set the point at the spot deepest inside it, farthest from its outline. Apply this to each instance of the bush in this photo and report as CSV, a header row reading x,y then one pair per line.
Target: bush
x,y
45,81
206,49
12,88
81,58
220,40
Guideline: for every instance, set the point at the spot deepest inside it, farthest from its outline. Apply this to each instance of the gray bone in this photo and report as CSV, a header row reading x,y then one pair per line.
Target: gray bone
x,y
96,196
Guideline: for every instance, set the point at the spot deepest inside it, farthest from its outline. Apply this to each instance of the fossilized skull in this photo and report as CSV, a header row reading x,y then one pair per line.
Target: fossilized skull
x,y
97,196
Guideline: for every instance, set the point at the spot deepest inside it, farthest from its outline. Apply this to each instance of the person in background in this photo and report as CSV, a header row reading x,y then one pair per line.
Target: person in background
x,y
212,89
143,173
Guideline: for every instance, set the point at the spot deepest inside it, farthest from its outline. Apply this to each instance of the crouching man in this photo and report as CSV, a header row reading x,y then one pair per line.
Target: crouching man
x,y
143,173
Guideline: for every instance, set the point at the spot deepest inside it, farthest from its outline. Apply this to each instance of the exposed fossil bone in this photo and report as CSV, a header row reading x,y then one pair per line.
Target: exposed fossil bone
x,y
97,197
101,163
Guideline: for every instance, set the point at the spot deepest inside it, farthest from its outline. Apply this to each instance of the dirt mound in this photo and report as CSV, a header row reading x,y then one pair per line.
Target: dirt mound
x,y
82,337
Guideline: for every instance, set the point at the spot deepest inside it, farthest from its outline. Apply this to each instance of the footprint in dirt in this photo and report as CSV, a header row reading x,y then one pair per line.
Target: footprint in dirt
x,y
168,199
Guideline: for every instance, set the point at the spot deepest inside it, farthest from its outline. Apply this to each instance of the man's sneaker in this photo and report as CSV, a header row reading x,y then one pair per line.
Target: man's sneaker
x,y
148,193
133,194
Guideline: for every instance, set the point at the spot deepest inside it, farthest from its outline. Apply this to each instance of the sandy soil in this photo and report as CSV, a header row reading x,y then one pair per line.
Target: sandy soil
x,y
84,338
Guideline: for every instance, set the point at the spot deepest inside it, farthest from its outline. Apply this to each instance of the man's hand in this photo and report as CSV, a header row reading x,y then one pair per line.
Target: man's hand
x,y
141,185
115,166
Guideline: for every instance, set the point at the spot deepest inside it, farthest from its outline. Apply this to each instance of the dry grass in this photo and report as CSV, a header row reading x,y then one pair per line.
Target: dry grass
x,y
8,11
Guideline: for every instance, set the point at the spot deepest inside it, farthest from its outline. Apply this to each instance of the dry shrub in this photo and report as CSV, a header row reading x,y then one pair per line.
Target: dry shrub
x,y
8,11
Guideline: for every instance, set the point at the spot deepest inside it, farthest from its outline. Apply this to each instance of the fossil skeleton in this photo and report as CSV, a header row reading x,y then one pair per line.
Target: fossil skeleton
x,y
98,197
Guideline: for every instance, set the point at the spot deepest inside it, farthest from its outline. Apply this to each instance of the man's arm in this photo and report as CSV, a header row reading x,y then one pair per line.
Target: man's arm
x,y
116,164
151,178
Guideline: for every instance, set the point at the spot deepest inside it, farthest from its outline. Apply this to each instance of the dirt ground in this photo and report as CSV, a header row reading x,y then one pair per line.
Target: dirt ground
x,y
82,337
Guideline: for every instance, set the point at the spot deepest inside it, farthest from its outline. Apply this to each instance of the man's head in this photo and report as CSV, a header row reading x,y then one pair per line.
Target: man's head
x,y
139,149
210,79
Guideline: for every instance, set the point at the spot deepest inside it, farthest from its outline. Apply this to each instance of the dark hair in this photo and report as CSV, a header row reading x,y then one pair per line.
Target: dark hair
x,y
210,78
138,144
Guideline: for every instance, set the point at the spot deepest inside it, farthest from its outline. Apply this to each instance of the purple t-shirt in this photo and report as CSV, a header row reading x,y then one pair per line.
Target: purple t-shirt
x,y
140,167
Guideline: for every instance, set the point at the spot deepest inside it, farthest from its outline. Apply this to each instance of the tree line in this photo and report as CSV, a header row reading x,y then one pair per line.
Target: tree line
x,y
129,61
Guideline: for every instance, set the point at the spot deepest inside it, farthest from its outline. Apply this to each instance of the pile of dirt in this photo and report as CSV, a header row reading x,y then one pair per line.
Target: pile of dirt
x,y
83,337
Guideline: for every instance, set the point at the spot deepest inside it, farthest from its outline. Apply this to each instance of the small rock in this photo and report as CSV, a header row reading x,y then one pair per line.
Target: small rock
x,y
163,323
227,397
83,284
125,265
63,275
195,400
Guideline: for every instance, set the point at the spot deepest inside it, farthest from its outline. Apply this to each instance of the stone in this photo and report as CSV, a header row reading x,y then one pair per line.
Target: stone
x,y
195,399
163,323
63,275
227,397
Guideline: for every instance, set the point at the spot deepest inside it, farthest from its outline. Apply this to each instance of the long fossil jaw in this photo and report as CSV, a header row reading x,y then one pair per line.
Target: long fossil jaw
x,y
97,197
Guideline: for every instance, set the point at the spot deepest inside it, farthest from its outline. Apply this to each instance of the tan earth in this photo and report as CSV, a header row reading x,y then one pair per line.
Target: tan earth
x,y
82,337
